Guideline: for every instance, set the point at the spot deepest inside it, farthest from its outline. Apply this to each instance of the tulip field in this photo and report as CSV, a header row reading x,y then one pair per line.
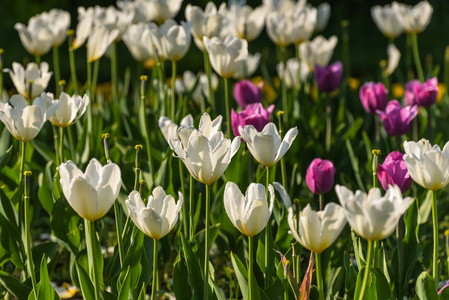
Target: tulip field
x,y
269,173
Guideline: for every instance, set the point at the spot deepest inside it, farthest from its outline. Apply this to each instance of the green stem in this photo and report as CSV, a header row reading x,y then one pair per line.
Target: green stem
x,y
286,288
367,269
228,109
321,201
94,80
281,134
91,253
21,206
328,124
435,237
284,86
71,144
184,207
146,134
400,235
191,208
208,71
154,281
319,277
250,267
429,123
267,236
38,60
173,79
118,226
414,40
55,137
72,67
27,221
206,246
56,69
61,144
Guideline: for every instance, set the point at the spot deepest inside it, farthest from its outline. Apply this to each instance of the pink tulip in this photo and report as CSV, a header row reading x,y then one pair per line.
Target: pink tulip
x,y
320,176
397,119
394,171
424,94
246,92
329,77
253,114
373,96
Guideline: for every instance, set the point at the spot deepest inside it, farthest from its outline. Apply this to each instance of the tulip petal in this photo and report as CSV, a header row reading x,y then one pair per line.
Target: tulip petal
x,y
83,199
108,187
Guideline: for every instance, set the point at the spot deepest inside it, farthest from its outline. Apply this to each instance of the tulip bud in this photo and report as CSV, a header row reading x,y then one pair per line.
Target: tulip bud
x,y
394,172
246,92
320,176
329,77
397,119
373,97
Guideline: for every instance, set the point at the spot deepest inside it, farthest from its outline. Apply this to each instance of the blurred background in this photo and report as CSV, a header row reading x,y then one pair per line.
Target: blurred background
x,y
367,46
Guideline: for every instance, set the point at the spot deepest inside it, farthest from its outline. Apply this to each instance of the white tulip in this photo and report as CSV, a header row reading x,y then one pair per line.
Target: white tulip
x,y
293,72
248,67
32,78
86,18
318,51
58,22
427,165
70,109
169,129
99,41
245,22
226,56
280,27
22,120
322,16
139,40
172,41
372,216
388,19
205,152
160,215
416,18
208,23
394,55
188,81
304,24
266,146
37,37
112,18
250,212
92,193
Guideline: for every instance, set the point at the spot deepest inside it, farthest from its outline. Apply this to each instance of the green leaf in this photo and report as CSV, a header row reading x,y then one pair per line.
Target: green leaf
x,y
195,278
351,275
131,264
377,285
14,286
143,294
241,273
44,290
50,250
180,285
425,287
125,290
425,208
65,225
86,285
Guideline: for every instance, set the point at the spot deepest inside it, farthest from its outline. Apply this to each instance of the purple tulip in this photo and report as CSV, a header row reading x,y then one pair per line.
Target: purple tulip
x,y
253,114
397,119
246,92
394,171
320,176
373,96
329,77
424,94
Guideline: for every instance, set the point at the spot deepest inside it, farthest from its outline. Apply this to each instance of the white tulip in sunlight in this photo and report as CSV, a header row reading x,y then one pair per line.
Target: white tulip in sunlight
x,y
248,67
32,78
372,216
388,19
427,165
245,22
205,152
394,56
318,51
70,108
92,193
201,91
84,26
139,40
226,56
159,216
266,146
207,23
58,21
279,27
304,24
172,41
99,41
293,72
250,212
416,18
112,18
24,121
169,129
37,37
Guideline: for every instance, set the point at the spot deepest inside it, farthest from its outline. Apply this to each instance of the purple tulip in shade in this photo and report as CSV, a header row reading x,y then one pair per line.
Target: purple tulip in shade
x,y
329,77
246,92
373,96
394,171
397,119
253,114
424,94
320,176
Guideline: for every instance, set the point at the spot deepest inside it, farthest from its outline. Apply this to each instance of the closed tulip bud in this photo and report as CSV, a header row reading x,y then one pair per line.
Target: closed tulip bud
x,y
92,193
253,114
329,77
397,120
394,172
250,212
266,146
424,94
428,165
159,216
373,97
320,176
246,92
372,216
